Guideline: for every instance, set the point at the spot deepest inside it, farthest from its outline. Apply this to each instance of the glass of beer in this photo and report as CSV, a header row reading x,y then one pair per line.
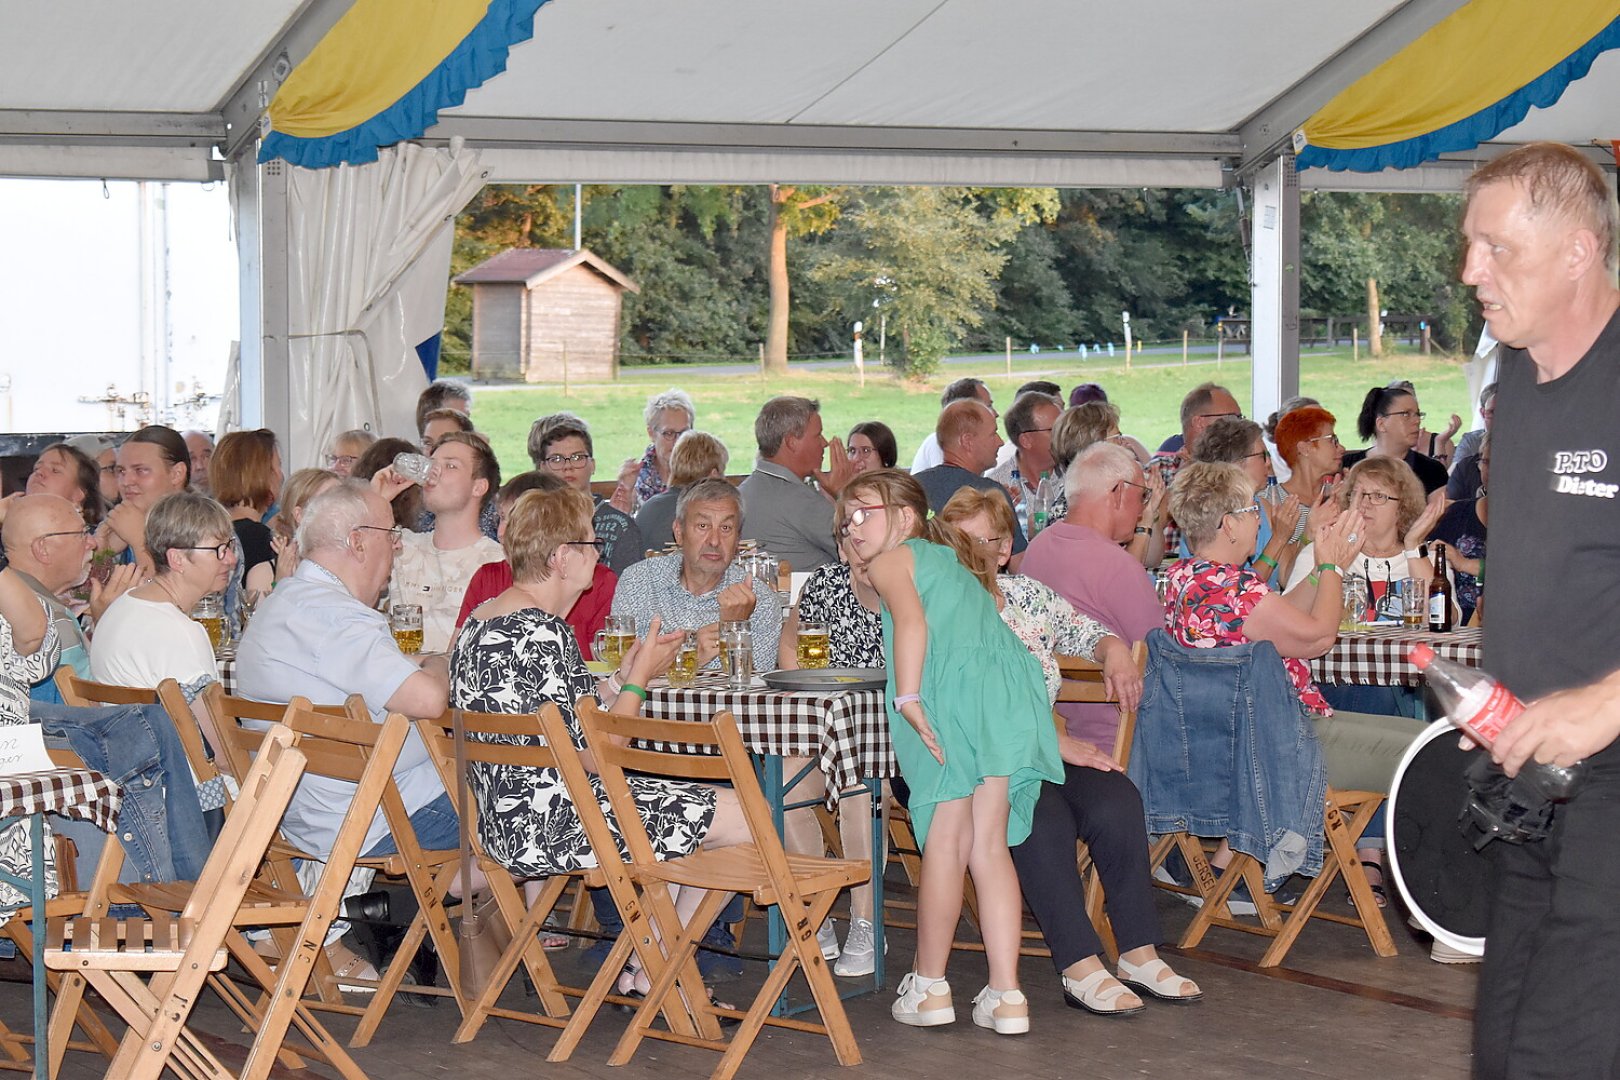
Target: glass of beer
x,y
210,611
405,620
683,672
813,645
1414,603
617,635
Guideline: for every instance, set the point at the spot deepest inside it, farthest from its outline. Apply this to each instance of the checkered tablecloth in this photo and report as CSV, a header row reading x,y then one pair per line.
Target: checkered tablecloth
x,y
1377,656
846,731
75,793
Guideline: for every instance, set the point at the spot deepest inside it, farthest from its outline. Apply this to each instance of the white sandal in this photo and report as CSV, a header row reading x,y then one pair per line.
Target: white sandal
x,y
1156,980
1092,995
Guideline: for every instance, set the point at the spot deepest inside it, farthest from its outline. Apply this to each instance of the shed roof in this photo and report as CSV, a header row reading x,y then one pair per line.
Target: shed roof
x,y
532,266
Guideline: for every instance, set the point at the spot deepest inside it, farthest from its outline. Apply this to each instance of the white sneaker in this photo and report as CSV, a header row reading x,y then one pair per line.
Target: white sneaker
x,y
1442,953
1006,1012
827,938
923,1002
860,951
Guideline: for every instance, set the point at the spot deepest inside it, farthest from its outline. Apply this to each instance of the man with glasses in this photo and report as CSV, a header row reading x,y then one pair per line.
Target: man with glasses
x,y
433,568
1203,405
561,445
319,635
1083,560
49,546
1029,430
703,585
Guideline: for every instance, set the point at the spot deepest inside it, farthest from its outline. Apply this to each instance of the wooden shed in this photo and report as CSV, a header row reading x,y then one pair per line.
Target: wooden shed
x,y
535,310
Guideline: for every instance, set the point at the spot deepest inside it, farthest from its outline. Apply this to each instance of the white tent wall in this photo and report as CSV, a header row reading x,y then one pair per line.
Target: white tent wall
x,y
353,262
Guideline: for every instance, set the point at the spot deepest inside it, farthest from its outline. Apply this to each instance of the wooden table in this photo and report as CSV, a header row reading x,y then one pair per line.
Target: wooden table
x,y
1376,655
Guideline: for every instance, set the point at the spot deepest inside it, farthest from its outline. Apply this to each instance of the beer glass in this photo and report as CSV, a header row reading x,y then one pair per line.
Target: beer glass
x,y
729,629
615,638
405,620
683,672
813,644
210,611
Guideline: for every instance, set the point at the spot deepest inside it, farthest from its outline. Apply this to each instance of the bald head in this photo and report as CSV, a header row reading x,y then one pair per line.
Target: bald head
x,y
45,538
967,435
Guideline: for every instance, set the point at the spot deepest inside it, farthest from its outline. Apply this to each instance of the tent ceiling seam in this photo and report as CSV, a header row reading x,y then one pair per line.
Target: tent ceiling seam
x,y
874,58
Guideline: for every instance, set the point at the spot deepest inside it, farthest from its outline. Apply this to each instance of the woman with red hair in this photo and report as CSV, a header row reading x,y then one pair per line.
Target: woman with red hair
x,y
1306,443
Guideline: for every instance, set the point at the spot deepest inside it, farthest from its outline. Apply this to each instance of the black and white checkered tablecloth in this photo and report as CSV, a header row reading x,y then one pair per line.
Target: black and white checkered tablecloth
x,y
846,731
1377,656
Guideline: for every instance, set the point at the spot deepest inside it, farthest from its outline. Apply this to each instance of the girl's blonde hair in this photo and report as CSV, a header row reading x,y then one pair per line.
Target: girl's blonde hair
x,y
894,488
970,502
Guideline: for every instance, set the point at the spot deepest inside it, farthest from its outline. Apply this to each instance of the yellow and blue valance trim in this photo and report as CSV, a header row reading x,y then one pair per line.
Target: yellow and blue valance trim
x,y
383,72
1472,76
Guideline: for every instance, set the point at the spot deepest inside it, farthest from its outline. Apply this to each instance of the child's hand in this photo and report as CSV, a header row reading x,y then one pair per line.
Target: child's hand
x,y
913,712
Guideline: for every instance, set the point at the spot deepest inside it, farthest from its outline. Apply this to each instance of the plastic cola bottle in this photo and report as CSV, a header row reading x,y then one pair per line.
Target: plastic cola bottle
x,y
1481,707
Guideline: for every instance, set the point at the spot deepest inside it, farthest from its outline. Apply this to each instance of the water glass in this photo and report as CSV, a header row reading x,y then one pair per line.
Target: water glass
x,y
729,629
617,635
1355,602
405,620
739,667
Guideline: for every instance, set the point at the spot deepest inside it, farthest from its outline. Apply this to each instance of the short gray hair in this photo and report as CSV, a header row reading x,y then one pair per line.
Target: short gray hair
x,y
1077,428
669,399
331,516
1226,439
1204,492
780,417
1021,417
1099,469
713,489
184,519
1198,399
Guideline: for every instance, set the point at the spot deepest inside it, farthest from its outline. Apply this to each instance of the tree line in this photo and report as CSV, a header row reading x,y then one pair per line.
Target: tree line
x,y
726,271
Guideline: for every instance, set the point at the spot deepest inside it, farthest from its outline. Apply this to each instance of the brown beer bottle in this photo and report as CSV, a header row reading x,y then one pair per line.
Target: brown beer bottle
x,y
1439,594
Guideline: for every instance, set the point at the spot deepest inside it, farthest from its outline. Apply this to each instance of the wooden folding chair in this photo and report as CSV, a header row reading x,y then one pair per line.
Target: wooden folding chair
x,y
179,954
189,725
512,740
1345,815
429,873
1083,682
804,886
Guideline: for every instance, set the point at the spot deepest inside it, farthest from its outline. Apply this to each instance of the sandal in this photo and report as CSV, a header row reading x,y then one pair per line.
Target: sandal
x,y
347,964
1156,980
1100,993
1380,896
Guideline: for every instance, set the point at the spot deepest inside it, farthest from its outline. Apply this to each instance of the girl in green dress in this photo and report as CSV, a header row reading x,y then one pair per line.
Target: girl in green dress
x,y
972,732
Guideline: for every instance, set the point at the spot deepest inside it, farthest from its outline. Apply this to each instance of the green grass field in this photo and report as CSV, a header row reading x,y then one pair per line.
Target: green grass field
x,y
1148,397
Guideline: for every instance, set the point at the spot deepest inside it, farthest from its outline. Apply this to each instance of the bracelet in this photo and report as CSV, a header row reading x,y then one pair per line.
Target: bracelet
x,y
1312,580
905,699
1265,560
1329,566
1143,531
632,688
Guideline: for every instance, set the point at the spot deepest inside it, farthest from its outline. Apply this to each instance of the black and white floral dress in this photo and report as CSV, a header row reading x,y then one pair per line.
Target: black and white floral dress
x,y
855,634
518,663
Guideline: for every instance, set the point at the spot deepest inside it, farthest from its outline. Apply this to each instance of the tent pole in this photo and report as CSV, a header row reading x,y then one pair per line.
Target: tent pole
x,y
1274,300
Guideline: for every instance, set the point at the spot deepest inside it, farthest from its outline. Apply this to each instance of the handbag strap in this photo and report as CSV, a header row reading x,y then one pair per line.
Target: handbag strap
x,y
464,804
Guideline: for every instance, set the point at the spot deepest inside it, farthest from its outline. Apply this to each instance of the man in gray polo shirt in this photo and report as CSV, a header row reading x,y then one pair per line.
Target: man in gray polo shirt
x,y
789,518
319,636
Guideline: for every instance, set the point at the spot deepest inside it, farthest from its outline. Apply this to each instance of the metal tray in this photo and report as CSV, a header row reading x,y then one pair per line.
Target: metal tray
x,y
830,678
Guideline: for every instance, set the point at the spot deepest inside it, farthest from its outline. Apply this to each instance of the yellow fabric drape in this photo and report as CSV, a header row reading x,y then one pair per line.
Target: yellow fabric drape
x,y
375,54
1474,58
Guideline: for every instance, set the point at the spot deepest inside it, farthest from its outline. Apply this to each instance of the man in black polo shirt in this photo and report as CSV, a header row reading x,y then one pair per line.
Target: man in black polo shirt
x,y
1540,230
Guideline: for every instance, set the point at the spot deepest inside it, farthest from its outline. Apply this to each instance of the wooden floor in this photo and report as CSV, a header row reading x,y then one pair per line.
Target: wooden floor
x,y
1336,1011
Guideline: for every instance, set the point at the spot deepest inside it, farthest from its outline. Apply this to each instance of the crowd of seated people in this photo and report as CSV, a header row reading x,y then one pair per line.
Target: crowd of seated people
x,y
117,542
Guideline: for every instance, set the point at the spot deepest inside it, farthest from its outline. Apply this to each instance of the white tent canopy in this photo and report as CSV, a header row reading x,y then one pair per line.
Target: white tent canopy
x,y
981,92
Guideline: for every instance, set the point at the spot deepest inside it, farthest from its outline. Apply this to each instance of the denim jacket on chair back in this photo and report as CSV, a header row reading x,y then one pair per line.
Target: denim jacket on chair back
x,y
1223,748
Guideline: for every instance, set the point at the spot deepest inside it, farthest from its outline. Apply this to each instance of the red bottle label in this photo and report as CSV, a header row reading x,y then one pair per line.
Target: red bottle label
x,y
1485,720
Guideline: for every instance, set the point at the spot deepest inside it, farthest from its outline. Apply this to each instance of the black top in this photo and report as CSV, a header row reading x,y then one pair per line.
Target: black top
x,y
1430,472
1553,619
256,548
943,481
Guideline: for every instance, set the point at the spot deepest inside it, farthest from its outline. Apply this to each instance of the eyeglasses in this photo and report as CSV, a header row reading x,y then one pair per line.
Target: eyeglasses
x,y
671,434
1218,415
396,533
1240,511
860,451
599,545
988,540
220,550
1377,498
1419,413
558,461
83,534
1035,430
1257,453
1330,437
1128,483
858,517
345,461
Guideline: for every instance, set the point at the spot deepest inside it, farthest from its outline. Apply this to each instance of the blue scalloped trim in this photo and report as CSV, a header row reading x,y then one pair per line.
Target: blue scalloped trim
x,y
1470,131
479,57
